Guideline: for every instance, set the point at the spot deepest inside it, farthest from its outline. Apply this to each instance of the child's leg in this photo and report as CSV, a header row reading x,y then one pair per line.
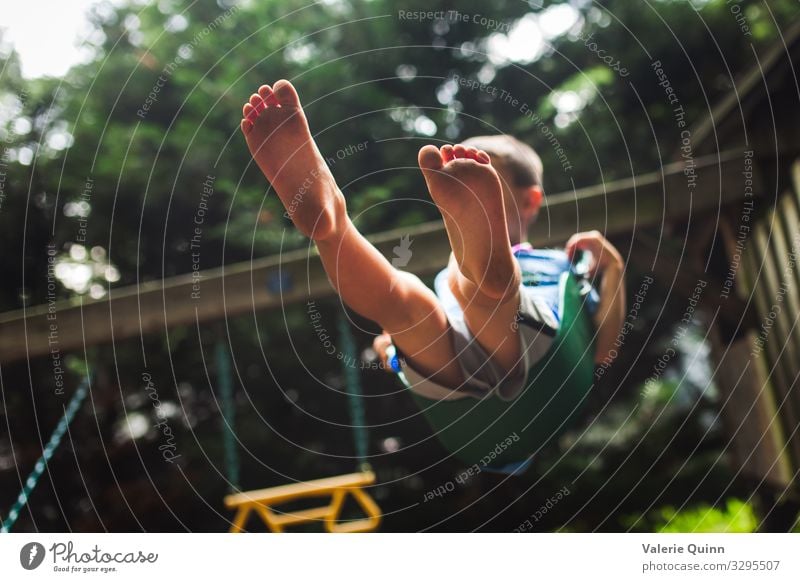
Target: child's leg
x,y
484,275
278,136
398,301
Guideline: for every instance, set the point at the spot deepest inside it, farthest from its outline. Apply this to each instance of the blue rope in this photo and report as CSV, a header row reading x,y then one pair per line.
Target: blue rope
x,y
38,469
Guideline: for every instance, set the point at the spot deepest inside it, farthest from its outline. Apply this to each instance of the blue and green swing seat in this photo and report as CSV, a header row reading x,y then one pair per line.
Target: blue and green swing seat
x,y
472,429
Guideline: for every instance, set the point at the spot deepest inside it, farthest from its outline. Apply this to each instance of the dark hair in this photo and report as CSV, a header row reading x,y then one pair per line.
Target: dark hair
x,y
517,157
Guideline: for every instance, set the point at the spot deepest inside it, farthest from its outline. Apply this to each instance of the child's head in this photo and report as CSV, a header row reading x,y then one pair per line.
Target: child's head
x,y
520,171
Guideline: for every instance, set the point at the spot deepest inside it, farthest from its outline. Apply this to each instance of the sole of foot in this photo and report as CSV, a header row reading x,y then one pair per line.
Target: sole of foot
x,y
467,190
277,134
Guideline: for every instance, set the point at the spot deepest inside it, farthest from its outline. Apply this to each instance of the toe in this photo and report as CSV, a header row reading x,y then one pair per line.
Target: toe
x,y
257,102
430,158
460,151
447,153
472,153
266,93
483,157
286,94
249,112
246,126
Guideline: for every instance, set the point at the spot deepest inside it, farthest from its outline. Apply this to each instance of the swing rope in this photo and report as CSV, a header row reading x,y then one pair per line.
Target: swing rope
x,y
228,411
55,440
354,396
337,489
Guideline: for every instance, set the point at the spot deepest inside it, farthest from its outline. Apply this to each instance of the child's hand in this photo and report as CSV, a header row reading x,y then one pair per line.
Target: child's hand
x,y
604,255
379,344
610,314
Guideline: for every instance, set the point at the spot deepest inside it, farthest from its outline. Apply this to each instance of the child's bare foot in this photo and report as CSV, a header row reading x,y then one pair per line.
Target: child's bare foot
x,y
277,134
467,191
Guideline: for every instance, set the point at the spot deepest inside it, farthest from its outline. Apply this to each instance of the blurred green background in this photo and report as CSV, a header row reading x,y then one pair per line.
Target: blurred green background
x,y
642,460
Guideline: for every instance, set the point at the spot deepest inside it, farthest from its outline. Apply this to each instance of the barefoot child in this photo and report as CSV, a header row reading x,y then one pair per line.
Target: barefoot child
x,y
520,172
465,340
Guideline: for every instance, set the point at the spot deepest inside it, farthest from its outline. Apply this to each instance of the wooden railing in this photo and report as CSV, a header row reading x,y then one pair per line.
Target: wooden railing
x,y
272,282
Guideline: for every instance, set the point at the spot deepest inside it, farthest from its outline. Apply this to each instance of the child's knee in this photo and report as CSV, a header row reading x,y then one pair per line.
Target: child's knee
x,y
469,293
410,302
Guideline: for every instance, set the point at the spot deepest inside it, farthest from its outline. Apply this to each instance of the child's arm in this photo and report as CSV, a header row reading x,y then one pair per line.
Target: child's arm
x,y
608,264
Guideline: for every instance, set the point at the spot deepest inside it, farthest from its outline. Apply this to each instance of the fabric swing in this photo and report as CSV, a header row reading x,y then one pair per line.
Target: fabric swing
x,y
502,435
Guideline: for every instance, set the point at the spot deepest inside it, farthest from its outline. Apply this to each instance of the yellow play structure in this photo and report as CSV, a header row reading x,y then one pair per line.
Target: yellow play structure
x,y
335,489
262,501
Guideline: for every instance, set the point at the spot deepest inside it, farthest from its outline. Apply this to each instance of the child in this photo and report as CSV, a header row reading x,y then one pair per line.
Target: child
x,y
466,341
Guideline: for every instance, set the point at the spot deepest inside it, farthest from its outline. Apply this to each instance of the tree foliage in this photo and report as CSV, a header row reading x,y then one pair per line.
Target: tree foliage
x,y
136,131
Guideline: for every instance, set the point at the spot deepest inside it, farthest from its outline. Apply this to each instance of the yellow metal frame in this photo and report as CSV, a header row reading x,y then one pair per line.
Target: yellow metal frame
x,y
262,501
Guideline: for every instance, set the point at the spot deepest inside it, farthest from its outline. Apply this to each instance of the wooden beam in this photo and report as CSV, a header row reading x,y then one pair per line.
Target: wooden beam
x,y
154,307
756,445
749,87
